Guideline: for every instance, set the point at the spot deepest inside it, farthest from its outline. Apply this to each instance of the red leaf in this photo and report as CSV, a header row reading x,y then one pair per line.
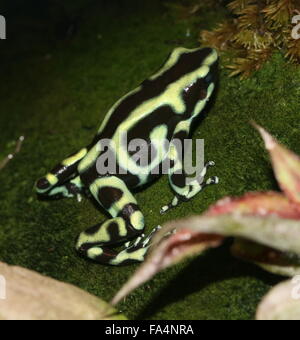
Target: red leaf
x,y
286,166
170,251
257,204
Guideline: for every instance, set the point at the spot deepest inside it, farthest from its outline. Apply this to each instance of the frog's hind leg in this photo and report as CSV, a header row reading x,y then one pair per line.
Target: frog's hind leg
x,y
185,190
126,224
54,183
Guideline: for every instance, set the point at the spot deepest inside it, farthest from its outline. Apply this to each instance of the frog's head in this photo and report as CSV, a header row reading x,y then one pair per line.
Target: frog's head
x,y
183,61
193,72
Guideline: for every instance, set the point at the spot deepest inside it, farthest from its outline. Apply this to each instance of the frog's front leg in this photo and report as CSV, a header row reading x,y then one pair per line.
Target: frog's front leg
x,y
72,188
127,223
184,189
57,182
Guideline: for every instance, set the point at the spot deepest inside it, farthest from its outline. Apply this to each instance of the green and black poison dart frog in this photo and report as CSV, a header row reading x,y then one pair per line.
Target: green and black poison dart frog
x,y
163,107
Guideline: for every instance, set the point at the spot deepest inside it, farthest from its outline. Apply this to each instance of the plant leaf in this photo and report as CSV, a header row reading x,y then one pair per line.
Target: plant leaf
x,y
259,204
31,296
281,303
180,245
269,219
269,259
203,232
286,165
262,204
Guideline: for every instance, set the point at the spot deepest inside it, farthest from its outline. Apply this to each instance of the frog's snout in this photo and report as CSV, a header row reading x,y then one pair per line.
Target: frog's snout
x,y
42,184
81,248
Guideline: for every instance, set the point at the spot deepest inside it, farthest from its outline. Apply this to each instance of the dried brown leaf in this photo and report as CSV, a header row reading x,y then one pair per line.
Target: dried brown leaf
x,y
31,296
282,302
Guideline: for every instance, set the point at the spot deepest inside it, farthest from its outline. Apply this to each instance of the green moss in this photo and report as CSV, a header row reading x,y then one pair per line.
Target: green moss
x,y
57,92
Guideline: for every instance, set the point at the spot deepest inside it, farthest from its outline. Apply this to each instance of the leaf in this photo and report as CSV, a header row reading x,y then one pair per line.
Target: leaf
x,y
255,30
282,302
254,40
237,6
220,38
262,204
272,231
203,232
279,12
31,296
288,270
249,62
250,17
182,244
269,259
293,48
286,166
259,204
269,221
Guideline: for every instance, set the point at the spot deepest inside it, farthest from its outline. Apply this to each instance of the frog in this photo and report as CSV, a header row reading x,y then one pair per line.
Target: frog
x,y
162,107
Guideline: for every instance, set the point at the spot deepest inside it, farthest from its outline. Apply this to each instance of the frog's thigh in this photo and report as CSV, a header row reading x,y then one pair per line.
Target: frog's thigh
x,y
127,223
60,173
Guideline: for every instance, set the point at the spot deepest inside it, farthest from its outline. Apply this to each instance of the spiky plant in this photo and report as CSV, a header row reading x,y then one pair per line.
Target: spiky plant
x,y
256,29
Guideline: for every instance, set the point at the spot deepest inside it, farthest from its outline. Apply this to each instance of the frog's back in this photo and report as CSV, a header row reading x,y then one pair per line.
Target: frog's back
x,y
159,99
151,112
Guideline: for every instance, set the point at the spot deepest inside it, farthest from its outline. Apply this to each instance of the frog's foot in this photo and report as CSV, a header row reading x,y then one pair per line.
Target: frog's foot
x,y
71,189
175,203
209,181
137,250
142,241
134,251
191,189
60,175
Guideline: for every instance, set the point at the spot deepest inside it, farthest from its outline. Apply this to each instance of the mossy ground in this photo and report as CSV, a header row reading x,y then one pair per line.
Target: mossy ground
x,y
56,91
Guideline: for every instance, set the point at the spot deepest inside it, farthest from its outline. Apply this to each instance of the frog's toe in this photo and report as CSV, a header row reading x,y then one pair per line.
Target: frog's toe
x,y
142,241
213,180
175,202
210,181
146,241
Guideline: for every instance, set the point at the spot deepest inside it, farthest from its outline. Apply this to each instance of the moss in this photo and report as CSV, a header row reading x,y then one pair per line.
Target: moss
x,y
253,32
56,93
